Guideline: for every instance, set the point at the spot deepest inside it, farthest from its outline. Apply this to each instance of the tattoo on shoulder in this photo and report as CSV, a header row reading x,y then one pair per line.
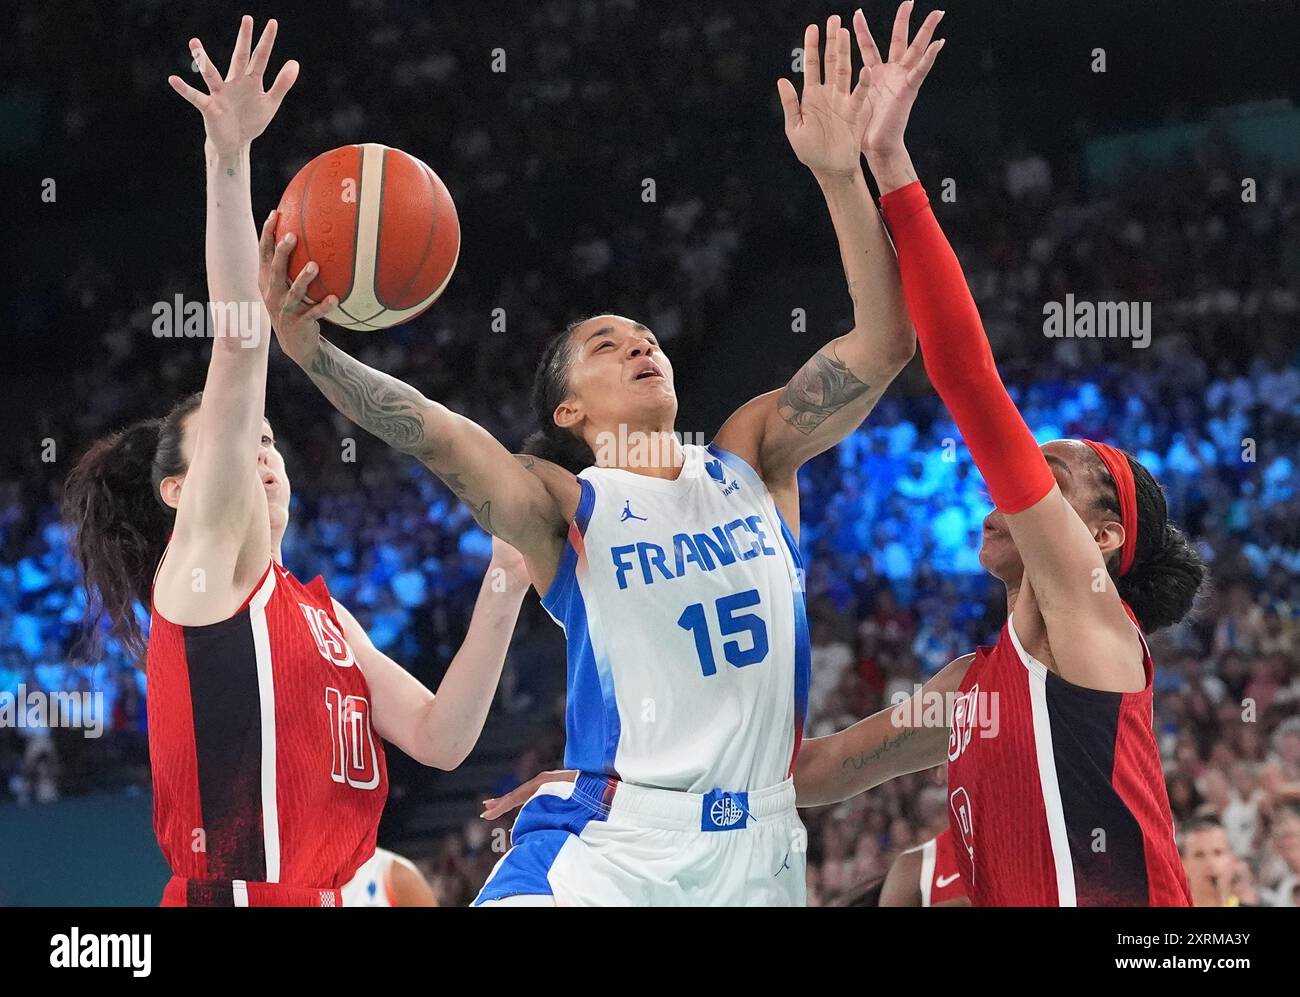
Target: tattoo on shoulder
x,y
819,389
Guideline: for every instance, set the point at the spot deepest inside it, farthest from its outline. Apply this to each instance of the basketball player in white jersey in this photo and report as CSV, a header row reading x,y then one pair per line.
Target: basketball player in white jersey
x,y
387,879
673,569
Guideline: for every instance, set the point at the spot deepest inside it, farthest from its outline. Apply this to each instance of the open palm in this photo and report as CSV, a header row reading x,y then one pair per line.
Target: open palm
x,y
236,109
825,125
894,84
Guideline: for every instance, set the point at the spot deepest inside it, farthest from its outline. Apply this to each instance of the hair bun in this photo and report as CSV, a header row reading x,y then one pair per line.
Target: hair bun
x,y
1163,585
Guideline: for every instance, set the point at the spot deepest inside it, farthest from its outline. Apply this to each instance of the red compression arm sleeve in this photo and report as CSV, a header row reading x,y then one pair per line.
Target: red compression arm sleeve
x,y
957,354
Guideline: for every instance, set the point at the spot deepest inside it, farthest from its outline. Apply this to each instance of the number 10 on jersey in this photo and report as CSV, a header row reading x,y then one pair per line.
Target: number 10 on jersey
x,y
695,618
352,740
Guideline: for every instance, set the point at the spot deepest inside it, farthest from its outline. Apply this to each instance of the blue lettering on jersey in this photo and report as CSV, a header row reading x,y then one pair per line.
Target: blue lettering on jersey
x,y
740,539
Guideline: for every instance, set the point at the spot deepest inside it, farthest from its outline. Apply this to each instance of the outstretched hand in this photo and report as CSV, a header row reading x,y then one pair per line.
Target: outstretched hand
x,y
825,125
894,84
236,109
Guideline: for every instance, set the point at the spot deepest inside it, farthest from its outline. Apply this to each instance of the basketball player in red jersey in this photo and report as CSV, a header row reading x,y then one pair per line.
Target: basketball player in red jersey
x,y
1055,785
925,876
266,699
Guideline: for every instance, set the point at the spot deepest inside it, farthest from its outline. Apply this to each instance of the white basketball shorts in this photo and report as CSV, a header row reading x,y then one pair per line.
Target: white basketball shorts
x,y
599,842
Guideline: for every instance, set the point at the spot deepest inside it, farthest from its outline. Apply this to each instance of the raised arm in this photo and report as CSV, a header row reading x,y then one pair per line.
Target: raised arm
x,y
441,730
1091,638
525,501
830,395
217,501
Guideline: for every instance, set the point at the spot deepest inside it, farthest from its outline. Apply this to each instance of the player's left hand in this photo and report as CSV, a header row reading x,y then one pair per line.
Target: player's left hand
x,y
501,805
826,124
236,109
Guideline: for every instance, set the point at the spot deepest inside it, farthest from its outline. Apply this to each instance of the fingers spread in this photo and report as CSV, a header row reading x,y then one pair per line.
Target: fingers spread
x,y
284,79
208,71
922,40
789,102
866,44
199,100
922,70
243,45
860,91
833,50
898,40
262,54
845,64
812,58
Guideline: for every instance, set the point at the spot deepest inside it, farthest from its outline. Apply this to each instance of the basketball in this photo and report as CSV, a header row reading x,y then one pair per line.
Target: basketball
x,y
382,228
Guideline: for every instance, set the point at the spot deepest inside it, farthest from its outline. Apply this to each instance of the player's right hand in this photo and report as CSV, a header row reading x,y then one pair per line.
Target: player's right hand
x,y
296,321
896,82
501,805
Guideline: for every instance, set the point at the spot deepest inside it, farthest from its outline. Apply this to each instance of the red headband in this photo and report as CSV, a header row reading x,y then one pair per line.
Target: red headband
x,y
1122,474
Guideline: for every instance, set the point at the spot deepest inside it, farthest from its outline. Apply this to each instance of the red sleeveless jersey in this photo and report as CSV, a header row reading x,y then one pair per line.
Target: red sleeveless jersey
x,y
1056,793
265,764
940,877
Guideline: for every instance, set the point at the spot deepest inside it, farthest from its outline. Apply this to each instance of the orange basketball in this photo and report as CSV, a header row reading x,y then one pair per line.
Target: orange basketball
x,y
382,228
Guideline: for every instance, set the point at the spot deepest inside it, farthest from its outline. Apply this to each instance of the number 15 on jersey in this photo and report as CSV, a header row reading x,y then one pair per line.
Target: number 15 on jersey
x,y
746,629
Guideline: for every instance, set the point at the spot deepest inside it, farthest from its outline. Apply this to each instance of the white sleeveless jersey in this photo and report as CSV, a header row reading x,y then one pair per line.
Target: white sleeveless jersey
x,y
370,887
682,603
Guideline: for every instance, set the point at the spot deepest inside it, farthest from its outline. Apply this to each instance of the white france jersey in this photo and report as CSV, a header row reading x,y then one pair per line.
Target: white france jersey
x,y
682,604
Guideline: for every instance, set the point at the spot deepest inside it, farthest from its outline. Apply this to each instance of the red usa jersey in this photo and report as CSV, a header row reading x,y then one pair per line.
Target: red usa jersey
x,y
266,766
940,877
1056,793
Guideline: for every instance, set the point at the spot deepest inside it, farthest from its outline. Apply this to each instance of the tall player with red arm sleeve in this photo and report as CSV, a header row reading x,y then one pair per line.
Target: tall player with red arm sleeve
x,y
1061,800
267,700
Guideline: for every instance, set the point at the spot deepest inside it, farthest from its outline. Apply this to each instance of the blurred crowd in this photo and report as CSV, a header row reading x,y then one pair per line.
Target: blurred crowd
x,y
891,518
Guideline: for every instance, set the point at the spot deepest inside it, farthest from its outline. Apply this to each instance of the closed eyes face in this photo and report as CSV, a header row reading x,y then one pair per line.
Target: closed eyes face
x,y
608,339
617,374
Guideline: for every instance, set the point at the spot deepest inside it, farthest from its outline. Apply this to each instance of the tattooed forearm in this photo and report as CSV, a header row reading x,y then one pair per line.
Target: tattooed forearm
x,y
888,745
380,404
819,389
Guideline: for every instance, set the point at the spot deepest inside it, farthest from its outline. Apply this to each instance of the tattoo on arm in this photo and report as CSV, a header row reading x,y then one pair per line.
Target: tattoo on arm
x,y
819,389
482,510
886,746
376,402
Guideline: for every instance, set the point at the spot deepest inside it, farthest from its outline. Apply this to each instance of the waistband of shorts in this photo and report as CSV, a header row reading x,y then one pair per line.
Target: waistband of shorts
x,y
671,810
182,892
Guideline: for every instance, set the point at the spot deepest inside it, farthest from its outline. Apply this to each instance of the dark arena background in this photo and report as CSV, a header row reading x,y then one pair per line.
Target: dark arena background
x,y
628,156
